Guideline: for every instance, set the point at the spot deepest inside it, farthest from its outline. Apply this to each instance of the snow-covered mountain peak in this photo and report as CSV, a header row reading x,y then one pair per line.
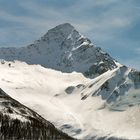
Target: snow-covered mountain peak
x,y
63,48
59,33
64,29
64,35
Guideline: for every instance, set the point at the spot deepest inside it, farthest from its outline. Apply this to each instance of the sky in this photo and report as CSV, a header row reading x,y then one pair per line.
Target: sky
x,y
113,25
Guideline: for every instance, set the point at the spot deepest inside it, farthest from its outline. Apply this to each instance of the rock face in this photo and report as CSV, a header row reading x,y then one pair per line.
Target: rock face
x,y
120,89
19,122
63,48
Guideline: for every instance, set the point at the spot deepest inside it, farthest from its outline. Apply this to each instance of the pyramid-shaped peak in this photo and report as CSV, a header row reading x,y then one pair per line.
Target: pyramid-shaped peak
x,y
64,26
65,29
61,32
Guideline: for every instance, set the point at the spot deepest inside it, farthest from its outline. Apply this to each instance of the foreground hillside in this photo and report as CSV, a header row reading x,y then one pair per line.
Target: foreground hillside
x,y
18,122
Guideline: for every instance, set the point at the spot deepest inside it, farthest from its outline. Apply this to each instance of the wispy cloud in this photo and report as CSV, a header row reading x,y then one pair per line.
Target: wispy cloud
x,y
111,24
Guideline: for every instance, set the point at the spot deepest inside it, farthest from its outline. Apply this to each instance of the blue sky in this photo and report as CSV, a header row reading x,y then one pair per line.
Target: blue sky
x,y
113,25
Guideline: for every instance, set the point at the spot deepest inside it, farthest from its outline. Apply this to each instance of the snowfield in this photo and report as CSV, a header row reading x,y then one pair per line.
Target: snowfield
x,y
74,103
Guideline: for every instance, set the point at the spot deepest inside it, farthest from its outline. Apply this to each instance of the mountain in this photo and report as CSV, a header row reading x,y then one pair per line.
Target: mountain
x,y
63,48
19,122
81,107
79,88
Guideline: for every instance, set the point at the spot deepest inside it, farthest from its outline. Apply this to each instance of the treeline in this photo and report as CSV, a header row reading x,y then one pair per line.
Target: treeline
x,y
15,129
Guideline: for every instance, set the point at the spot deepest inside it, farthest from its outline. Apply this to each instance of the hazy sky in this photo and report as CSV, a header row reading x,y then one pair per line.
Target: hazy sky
x,y
113,25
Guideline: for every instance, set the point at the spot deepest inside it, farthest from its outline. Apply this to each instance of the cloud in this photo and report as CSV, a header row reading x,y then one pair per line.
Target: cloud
x,y
76,14
137,51
79,14
111,24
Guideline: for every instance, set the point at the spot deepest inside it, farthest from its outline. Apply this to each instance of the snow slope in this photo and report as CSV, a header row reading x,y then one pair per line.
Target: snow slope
x,y
103,107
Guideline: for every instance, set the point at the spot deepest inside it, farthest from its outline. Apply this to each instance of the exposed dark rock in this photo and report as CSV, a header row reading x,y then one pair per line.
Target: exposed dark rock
x,y
70,89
